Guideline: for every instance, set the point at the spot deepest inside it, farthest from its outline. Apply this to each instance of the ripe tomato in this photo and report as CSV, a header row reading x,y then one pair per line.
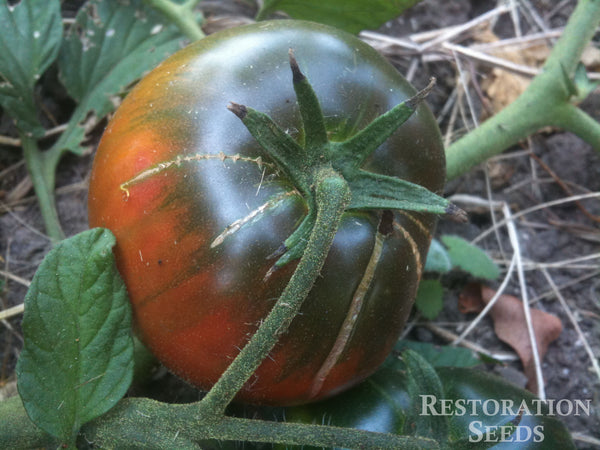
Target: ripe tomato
x,y
175,170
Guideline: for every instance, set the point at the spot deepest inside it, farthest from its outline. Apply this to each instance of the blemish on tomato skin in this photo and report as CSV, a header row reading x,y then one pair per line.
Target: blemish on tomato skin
x,y
348,327
141,163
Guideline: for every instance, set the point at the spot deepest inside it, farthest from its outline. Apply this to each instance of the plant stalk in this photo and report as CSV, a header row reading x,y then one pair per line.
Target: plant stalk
x,y
317,435
42,170
580,123
145,423
181,15
546,102
332,197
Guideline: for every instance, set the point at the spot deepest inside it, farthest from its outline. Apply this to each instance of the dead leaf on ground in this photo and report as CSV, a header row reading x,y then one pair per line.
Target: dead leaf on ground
x,y
510,326
591,58
469,300
500,173
501,86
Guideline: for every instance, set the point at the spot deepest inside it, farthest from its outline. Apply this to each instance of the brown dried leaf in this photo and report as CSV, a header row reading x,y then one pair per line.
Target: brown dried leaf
x,y
591,58
500,173
503,87
510,327
469,300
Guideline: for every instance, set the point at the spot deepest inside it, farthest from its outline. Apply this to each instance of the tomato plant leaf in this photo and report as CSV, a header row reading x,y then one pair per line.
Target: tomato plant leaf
x,y
110,45
470,258
349,15
423,380
438,259
466,398
440,355
77,360
29,43
477,422
430,298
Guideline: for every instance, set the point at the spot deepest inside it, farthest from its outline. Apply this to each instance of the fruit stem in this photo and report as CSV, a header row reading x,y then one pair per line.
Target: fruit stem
x,y
332,197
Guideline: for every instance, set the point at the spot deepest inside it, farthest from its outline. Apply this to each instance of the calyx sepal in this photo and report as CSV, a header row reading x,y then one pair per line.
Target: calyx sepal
x,y
300,162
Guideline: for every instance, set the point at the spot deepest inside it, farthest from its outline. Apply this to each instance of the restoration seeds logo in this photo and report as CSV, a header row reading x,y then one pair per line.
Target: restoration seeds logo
x,y
508,412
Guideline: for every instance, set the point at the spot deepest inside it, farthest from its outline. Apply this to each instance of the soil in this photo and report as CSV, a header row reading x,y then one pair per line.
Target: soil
x,y
550,235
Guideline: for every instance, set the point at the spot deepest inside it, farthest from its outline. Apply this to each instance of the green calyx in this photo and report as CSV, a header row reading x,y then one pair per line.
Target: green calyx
x,y
302,163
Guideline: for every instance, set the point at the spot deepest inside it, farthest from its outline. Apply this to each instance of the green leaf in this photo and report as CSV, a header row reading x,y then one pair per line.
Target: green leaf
x,y
387,403
350,15
430,298
440,355
470,258
29,43
423,380
473,388
438,259
77,360
583,85
110,45
484,438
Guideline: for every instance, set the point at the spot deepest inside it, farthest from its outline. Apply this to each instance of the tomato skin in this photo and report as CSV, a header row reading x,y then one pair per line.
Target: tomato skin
x,y
196,306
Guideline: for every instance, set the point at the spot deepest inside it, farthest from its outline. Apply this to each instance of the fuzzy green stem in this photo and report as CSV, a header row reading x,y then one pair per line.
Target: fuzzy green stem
x,y
543,103
577,34
145,423
42,169
332,196
181,15
580,123
317,435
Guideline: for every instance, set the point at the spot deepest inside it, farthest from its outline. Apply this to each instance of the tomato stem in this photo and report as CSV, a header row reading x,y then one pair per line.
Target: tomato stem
x,y
547,101
152,424
42,169
182,15
332,196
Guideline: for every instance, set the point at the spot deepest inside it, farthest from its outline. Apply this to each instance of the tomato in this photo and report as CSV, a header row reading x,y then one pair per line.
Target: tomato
x,y
175,170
